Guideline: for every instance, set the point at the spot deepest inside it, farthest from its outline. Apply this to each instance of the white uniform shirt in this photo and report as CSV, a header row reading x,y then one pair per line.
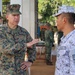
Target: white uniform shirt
x,y
65,64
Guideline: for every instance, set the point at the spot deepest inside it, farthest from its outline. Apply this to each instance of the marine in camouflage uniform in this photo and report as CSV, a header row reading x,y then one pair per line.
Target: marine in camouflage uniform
x,y
48,44
13,45
60,34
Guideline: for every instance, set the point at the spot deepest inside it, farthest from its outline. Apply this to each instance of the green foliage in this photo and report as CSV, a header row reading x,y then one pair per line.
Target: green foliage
x,y
69,2
46,8
5,0
4,4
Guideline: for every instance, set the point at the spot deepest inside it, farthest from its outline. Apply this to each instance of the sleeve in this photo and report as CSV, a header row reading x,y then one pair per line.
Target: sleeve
x,y
8,46
31,51
51,36
32,54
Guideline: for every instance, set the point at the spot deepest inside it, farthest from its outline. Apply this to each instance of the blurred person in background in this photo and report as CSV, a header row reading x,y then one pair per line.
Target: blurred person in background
x,y
48,43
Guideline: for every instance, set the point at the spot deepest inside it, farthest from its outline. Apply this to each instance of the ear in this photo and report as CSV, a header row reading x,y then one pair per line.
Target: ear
x,y
64,20
7,16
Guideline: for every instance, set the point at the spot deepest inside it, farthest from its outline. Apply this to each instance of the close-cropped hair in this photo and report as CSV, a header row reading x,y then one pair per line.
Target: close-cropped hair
x,y
70,17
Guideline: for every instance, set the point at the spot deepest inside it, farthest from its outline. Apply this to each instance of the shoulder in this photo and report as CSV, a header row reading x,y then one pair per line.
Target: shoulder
x,y
1,28
23,30
49,31
72,40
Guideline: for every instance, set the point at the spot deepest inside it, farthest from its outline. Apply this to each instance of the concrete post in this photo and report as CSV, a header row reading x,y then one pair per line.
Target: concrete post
x,y
1,6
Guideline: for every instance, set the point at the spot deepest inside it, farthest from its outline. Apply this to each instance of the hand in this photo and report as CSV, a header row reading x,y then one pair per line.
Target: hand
x,y
34,41
25,65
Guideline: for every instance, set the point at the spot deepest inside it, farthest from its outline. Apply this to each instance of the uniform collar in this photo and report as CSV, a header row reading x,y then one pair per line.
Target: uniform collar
x,y
65,38
9,30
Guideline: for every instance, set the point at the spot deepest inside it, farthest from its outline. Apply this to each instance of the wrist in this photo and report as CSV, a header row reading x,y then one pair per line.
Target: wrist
x,y
30,61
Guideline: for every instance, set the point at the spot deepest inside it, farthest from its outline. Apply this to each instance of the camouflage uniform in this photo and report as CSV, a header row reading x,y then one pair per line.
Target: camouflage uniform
x,y
12,50
60,34
48,43
42,34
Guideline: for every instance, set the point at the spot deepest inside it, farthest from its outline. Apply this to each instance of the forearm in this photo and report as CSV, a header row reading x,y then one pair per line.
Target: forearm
x,y
31,54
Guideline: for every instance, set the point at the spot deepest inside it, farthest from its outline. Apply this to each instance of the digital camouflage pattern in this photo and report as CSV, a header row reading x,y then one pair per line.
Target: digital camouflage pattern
x,y
48,43
60,34
13,9
12,50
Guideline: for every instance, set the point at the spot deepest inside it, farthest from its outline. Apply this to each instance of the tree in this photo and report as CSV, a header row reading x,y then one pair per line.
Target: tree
x,y
46,8
4,4
69,2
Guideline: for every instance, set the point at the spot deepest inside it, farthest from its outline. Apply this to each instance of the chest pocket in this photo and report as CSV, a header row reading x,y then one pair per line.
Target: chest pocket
x,y
61,50
20,38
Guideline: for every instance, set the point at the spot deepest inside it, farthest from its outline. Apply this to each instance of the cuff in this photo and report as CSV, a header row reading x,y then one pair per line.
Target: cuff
x,y
30,61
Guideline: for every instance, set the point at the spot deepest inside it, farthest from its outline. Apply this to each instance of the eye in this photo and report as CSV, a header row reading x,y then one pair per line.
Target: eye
x,y
15,14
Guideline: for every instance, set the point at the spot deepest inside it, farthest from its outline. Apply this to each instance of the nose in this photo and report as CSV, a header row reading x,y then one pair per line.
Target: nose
x,y
16,17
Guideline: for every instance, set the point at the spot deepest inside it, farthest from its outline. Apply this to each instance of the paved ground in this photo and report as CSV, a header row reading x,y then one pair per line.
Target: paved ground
x,y
39,67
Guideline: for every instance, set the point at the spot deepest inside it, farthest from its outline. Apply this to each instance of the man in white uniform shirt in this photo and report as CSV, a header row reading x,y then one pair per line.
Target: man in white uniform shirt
x,y
65,64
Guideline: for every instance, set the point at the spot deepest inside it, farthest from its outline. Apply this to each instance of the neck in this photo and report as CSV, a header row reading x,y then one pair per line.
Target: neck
x,y
12,26
68,29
